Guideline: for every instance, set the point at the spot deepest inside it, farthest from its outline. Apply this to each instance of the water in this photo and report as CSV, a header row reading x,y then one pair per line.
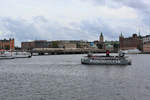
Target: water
x,y
62,77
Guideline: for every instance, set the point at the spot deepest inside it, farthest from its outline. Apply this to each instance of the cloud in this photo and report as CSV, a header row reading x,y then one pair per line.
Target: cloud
x,y
142,7
131,3
72,19
40,28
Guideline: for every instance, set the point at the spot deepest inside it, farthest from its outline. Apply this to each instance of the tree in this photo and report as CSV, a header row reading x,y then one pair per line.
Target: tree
x,y
55,44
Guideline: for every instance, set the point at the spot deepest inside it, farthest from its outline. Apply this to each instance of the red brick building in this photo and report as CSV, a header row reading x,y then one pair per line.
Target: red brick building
x,y
7,44
134,42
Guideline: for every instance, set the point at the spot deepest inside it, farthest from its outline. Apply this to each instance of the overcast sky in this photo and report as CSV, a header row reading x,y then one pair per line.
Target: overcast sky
x,y
27,20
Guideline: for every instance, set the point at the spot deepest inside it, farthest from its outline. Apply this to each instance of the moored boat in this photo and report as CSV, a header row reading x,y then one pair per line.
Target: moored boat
x,y
21,54
132,51
15,54
5,55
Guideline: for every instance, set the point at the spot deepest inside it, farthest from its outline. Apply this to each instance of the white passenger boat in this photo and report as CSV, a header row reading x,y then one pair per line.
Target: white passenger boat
x,y
131,51
106,60
5,55
21,54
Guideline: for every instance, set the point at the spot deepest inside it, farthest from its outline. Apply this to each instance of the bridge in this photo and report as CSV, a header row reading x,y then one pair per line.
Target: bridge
x,y
57,51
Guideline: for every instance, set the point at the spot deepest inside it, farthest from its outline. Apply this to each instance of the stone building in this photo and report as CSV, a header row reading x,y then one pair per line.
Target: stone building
x,y
146,44
83,44
146,47
34,44
134,42
7,44
66,44
48,44
146,39
73,44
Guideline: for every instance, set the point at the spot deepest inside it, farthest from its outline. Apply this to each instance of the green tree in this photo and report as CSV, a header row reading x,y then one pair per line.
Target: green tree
x,y
55,44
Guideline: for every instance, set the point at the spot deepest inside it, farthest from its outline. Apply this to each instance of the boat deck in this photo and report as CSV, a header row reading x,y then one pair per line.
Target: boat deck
x,y
105,60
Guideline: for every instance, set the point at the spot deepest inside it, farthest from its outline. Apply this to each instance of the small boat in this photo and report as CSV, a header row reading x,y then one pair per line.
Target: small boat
x,y
21,54
132,51
5,55
106,60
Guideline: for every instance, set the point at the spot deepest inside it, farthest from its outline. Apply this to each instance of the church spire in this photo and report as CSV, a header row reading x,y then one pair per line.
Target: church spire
x,y
121,35
101,39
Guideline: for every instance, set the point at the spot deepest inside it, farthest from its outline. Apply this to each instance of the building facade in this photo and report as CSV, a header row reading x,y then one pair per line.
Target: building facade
x,y
48,44
146,39
134,42
7,44
67,45
146,44
35,44
100,44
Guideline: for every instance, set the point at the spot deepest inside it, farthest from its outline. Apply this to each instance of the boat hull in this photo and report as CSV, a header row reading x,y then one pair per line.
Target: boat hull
x,y
6,57
21,55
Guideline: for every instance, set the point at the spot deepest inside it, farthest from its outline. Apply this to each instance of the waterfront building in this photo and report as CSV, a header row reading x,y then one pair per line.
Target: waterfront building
x,y
34,44
72,44
146,39
92,45
100,44
112,46
67,45
134,42
7,44
146,44
146,47
27,45
83,44
52,44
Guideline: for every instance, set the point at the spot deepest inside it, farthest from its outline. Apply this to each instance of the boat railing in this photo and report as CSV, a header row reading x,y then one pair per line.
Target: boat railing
x,y
105,58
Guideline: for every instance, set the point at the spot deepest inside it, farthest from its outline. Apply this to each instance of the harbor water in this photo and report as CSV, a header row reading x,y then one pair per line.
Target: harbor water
x,y
63,77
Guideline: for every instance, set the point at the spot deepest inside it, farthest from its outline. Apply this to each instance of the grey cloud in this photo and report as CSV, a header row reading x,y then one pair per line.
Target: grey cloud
x,y
95,2
95,27
19,28
131,3
140,6
41,28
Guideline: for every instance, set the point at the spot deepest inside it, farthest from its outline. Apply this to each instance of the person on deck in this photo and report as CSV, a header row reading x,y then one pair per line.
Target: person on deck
x,y
107,53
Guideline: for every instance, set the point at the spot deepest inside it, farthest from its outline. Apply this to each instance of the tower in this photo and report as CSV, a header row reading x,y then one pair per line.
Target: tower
x,y
121,39
101,38
12,42
121,36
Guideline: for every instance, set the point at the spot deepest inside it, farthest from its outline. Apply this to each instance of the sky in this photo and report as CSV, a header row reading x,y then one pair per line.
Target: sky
x,y
27,20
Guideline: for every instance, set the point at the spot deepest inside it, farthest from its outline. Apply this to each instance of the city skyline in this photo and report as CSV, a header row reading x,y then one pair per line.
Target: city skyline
x,y
72,19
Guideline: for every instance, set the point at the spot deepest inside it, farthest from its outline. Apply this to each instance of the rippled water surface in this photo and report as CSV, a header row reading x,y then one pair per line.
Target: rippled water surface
x,y
62,77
